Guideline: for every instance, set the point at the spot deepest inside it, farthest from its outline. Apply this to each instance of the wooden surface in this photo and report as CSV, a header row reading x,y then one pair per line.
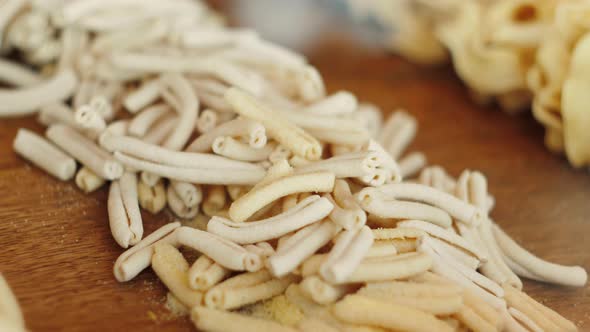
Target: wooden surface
x,y
57,252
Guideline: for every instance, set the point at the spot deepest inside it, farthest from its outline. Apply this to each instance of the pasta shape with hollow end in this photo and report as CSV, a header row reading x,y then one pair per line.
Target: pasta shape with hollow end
x,y
135,259
240,127
177,205
171,267
190,194
308,211
205,273
382,207
154,153
322,292
226,253
458,209
346,218
387,160
344,198
85,151
226,297
284,132
44,154
207,121
231,148
361,310
350,165
272,192
242,208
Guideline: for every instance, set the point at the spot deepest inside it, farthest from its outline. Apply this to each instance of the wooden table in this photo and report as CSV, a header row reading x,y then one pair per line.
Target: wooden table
x,y
58,253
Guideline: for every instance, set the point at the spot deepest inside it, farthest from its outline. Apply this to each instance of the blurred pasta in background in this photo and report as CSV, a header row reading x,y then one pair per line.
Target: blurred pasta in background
x,y
522,54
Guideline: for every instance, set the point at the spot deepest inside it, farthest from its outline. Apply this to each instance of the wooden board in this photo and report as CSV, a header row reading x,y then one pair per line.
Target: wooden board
x,y
57,251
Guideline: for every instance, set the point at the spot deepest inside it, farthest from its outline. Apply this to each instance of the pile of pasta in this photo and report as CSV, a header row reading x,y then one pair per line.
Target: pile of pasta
x,y
305,209
524,54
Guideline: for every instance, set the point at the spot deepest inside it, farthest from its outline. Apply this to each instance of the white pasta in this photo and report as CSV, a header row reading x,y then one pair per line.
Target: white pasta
x,y
281,190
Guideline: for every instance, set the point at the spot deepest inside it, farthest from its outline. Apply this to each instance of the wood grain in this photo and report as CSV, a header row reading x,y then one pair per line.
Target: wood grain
x,y
57,251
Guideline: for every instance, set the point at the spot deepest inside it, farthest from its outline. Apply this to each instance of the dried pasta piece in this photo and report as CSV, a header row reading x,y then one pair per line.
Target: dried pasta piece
x,y
308,211
177,205
88,181
322,292
544,317
124,215
300,246
346,255
226,253
382,207
215,200
242,208
411,164
84,150
390,268
473,321
135,259
240,127
226,297
44,154
152,199
351,215
171,267
231,148
212,320
549,272
284,132
362,310
205,273
416,192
